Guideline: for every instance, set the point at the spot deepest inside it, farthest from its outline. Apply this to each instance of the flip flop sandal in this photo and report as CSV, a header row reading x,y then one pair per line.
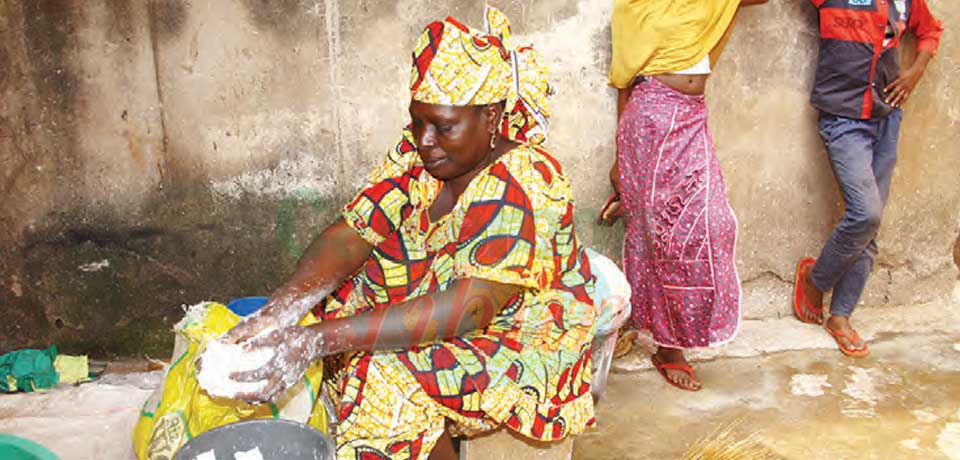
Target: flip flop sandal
x,y
606,206
663,367
856,353
800,302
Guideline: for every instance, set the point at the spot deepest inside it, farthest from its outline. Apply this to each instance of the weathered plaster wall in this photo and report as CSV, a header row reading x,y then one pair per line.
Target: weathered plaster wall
x,y
164,152
780,180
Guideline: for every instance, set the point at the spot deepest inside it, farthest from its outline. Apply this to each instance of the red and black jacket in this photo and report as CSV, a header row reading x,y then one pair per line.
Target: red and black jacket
x,y
854,64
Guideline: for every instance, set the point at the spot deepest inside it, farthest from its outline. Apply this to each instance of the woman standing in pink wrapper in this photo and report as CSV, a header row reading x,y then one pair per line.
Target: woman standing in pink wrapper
x,y
680,231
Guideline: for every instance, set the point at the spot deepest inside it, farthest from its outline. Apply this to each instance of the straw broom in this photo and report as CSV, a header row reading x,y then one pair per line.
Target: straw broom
x,y
723,444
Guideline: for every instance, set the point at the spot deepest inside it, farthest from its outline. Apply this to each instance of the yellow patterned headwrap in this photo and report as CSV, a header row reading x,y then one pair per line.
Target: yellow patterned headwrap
x,y
456,65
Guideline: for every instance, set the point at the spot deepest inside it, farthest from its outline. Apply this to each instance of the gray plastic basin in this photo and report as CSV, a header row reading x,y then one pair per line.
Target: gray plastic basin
x,y
276,439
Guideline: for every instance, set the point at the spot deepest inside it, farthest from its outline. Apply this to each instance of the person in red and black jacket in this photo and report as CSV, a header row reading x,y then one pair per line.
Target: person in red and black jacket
x,y
859,88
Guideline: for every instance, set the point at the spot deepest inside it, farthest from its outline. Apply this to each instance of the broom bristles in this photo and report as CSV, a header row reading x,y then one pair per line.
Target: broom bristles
x,y
723,444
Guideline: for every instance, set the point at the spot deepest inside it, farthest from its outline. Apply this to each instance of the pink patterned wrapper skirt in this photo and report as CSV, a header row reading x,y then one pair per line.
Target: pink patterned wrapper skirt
x,y
678,250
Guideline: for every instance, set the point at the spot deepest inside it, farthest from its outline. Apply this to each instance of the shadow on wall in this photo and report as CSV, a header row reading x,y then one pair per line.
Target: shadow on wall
x,y
110,289
107,289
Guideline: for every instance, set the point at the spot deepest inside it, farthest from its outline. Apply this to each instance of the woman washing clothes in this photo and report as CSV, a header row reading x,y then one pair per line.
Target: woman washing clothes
x,y
680,230
454,281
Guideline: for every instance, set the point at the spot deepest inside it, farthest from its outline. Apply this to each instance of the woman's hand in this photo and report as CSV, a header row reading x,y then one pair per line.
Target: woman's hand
x,y
247,328
611,211
294,349
284,309
613,208
252,325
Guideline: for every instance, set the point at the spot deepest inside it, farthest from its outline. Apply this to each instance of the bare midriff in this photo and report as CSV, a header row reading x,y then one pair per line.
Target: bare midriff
x,y
686,84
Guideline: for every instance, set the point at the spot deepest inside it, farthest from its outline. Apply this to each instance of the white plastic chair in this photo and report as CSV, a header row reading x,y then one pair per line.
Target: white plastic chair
x,y
612,298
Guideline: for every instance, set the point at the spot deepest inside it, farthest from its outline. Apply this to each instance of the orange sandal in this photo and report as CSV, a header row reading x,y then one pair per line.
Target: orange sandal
x,y
856,353
800,302
663,367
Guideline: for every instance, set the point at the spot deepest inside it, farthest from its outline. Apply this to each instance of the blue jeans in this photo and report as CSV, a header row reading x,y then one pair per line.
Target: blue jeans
x,y
863,154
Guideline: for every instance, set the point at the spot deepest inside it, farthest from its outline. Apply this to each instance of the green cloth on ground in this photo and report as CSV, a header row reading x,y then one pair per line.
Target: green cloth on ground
x,y
72,369
28,370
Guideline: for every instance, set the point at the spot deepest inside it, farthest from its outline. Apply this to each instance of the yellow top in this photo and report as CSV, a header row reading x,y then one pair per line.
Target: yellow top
x,y
652,37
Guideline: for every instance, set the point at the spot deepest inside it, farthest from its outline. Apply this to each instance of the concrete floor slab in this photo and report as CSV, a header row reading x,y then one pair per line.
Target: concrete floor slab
x,y
902,402
759,337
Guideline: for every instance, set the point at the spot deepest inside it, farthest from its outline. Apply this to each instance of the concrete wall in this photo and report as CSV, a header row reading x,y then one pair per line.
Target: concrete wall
x,y
159,153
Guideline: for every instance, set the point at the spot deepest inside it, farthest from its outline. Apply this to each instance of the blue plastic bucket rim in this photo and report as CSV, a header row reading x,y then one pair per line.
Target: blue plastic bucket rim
x,y
244,306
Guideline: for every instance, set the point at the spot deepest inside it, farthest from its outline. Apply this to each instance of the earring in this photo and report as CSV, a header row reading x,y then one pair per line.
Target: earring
x,y
493,140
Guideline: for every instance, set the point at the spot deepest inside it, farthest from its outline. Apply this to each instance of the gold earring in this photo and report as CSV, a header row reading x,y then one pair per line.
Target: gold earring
x,y
493,140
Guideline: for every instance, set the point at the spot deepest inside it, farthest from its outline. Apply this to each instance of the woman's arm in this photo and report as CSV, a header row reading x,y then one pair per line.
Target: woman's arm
x,y
752,2
338,252
615,175
623,95
468,305
608,213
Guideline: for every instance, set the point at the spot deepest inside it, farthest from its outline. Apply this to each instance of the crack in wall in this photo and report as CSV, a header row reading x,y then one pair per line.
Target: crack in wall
x,y
332,22
155,53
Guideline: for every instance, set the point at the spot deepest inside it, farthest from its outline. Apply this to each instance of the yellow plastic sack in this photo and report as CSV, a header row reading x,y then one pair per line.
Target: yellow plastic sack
x,y
180,409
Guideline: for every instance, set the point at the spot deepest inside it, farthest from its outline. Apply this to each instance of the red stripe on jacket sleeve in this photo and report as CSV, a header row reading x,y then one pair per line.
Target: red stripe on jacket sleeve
x,y
925,26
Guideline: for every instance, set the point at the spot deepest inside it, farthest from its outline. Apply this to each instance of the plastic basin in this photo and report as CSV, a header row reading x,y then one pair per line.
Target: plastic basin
x,y
275,439
246,305
14,448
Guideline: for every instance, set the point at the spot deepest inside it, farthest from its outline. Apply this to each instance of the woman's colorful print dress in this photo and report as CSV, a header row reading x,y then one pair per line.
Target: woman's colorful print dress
x,y
530,368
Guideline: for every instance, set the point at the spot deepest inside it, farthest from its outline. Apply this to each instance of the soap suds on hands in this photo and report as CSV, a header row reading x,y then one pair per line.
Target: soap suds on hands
x,y
220,360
